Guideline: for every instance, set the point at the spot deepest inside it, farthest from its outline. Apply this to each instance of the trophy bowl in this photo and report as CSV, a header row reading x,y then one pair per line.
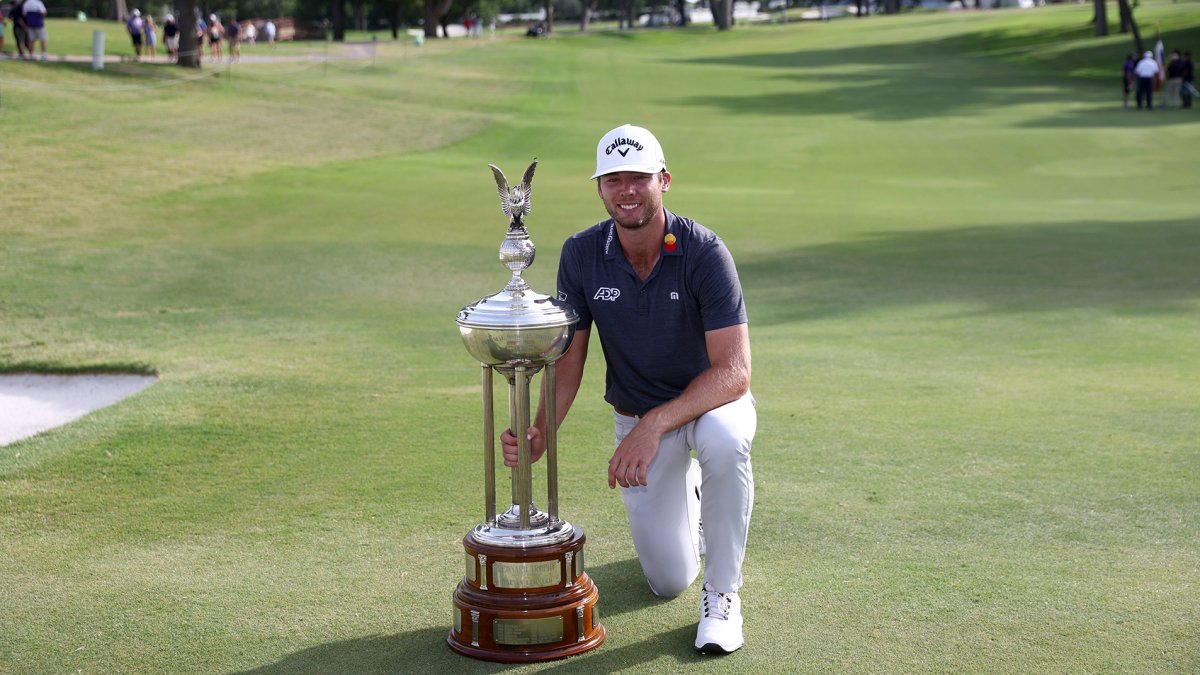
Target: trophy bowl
x,y
501,329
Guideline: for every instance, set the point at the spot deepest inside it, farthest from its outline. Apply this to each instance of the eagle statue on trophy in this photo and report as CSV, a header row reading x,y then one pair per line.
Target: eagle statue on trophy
x,y
515,201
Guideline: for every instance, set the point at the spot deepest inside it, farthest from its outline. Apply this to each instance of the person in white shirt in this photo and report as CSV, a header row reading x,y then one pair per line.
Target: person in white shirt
x,y
35,25
1145,71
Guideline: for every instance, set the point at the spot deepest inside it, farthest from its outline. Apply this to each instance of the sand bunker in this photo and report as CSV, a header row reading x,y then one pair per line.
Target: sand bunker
x,y
31,404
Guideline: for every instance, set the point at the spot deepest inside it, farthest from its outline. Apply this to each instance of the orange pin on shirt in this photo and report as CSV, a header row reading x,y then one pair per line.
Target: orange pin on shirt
x,y
669,242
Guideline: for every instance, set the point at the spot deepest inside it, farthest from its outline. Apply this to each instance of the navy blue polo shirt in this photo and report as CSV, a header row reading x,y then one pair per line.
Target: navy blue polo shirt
x,y
652,333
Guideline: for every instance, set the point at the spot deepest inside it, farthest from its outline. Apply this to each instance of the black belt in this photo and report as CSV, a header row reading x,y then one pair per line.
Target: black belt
x,y
626,413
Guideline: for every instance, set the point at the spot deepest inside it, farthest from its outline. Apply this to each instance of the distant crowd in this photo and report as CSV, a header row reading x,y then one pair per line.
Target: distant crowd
x,y
212,32
28,20
1173,82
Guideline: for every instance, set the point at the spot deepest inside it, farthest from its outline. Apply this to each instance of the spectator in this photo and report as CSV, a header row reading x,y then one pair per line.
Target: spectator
x,y
2,19
215,31
250,31
1146,71
232,31
171,37
20,36
1174,81
1189,78
151,31
201,31
35,25
270,31
135,25
1127,78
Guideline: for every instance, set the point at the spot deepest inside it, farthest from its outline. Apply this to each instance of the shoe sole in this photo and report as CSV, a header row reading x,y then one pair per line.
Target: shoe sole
x,y
714,648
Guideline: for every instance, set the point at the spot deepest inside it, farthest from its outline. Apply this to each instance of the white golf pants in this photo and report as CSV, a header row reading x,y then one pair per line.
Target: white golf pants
x,y
664,516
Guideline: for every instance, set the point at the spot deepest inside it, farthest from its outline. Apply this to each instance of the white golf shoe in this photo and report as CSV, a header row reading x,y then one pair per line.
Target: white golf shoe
x,y
720,630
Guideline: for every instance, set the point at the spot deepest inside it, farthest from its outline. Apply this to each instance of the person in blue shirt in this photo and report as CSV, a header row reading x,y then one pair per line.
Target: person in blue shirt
x,y
664,296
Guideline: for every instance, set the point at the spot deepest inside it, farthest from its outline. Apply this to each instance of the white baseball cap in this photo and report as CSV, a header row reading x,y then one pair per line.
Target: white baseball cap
x,y
137,12
629,148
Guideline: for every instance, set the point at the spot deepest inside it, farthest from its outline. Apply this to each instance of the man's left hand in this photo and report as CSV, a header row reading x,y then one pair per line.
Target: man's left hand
x,y
630,464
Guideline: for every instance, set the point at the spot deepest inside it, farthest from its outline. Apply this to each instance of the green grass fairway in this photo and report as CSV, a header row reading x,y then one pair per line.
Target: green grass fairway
x,y
974,290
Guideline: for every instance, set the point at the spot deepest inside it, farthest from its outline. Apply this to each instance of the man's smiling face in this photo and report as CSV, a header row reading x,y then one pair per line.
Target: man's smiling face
x,y
633,199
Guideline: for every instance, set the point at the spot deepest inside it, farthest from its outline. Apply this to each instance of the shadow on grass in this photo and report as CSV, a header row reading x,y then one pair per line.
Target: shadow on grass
x,y
881,82
418,651
1125,267
1114,116
915,81
39,368
426,651
131,70
675,644
622,589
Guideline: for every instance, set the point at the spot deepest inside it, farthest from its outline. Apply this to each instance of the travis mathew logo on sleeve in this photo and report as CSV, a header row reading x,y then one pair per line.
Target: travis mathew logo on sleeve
x,y
623,146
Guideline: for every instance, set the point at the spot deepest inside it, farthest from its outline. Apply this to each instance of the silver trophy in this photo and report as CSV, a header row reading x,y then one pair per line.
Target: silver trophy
x,y
525,596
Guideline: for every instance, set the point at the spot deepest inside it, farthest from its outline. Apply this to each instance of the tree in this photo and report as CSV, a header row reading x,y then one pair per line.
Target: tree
x,y
1101,18
1127,20
722,11
681,7
435,13
393,10
357,18
548,8
339,20
189,45
585,15
625,14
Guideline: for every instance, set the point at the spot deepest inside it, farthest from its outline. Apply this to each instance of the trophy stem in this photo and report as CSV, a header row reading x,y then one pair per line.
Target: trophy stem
x,y
489,447
514,424
524,465
551,442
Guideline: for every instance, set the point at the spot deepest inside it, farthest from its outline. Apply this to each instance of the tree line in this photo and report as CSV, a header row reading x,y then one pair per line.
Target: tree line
x,y
435,16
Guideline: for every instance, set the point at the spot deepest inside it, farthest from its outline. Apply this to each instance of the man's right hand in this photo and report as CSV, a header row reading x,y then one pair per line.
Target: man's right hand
x,y
508,442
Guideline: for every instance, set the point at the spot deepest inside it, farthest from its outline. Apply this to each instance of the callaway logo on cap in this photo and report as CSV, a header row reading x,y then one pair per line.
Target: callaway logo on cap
x,y
629,148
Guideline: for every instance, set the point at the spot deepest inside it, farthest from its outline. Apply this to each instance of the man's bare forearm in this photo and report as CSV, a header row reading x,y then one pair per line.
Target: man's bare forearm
x,y
568,374
726,379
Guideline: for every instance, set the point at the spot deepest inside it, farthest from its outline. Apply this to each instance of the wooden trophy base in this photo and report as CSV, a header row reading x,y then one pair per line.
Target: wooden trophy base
x,y
521,605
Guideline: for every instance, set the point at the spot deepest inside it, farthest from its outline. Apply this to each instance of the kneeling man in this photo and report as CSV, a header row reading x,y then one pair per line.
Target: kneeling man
x,y
664,295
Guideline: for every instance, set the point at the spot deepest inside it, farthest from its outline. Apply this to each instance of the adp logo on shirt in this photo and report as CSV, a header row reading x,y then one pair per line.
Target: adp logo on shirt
x,y
605,293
